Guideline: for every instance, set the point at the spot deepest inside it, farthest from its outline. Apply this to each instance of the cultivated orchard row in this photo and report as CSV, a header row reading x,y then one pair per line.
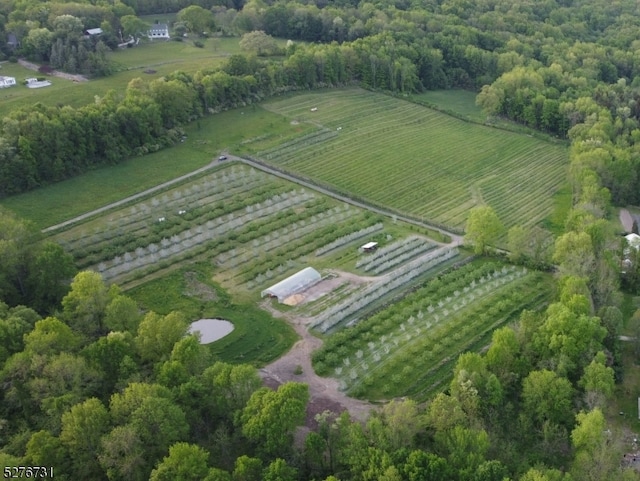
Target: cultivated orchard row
x,y
336,316
394,254
408,348
254,228
417,160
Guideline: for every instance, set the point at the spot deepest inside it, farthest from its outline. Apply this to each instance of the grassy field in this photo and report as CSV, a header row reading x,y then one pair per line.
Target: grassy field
x,y
162,57
417,160
462,102
206,139
257,338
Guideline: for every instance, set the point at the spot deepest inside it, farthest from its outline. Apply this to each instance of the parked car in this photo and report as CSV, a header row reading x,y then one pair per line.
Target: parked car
x,y
222,157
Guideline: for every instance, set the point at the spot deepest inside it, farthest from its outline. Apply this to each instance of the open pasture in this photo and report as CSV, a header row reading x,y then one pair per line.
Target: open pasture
x,y
410,347
257,337
417,160
162,58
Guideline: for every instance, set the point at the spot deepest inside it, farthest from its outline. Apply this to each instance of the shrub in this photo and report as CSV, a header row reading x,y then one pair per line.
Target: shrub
x,y
13,59
198,43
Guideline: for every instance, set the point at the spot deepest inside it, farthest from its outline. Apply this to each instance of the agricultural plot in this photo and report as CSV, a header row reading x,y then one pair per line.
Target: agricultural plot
x,y
417,160
253,227
409,348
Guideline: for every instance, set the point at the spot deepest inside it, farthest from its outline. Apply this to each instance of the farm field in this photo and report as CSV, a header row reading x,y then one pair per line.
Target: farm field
x,y
462,102
409,348
244,231
417,160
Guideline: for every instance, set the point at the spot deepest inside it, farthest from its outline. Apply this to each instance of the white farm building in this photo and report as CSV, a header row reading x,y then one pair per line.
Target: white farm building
x,y
293,284
633,240
159,30
7,81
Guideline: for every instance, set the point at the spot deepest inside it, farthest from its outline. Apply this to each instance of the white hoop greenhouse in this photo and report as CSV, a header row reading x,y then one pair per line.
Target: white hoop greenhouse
x,y
293,284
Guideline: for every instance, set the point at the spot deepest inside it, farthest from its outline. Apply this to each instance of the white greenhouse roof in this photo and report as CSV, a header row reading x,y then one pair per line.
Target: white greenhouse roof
x,y
369,245
293,284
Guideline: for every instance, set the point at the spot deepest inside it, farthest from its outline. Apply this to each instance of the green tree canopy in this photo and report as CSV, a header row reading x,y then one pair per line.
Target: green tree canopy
x,y
483,227
270,417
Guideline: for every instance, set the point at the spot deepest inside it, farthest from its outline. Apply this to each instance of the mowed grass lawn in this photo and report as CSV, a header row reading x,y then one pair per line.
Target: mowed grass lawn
x,y
164,57
417,160
257,338
232,130
462,102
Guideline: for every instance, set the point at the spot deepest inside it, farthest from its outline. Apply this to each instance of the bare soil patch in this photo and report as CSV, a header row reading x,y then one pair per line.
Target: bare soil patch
x,y
197,289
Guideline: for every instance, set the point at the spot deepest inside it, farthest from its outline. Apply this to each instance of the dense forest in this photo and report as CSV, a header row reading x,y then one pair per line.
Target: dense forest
x,y
91,389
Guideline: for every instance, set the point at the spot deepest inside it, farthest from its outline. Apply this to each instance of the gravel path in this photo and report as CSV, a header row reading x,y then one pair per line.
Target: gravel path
x,y
54,73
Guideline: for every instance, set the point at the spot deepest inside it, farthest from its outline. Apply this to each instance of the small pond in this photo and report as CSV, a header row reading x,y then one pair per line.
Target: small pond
x,y
211,329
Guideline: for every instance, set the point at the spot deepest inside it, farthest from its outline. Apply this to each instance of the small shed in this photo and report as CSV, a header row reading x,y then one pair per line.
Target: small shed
x,y
369,247
633,240
93,32
293,284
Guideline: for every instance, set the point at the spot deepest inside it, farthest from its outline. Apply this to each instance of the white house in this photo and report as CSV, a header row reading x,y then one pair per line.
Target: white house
x,y
159,30
7,81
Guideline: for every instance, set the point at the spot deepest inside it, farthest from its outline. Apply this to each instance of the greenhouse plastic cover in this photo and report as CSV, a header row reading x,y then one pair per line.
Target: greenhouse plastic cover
x,y
293,284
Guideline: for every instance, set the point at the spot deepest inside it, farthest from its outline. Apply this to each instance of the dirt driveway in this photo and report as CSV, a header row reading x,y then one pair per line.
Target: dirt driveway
x,y
324,392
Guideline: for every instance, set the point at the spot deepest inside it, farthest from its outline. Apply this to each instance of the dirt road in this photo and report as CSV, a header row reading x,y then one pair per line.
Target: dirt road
x,y
324,392
54,73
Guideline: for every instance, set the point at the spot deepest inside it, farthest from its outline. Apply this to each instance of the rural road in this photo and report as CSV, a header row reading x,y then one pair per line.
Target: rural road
x,y
456,239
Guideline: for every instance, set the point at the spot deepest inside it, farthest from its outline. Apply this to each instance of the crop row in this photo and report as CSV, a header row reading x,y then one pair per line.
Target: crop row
x,y
312,138
401,259
411,369
301,224
211,189
417,327
395,254
190,238
360,299
273,197
303,246
423,301
340,241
